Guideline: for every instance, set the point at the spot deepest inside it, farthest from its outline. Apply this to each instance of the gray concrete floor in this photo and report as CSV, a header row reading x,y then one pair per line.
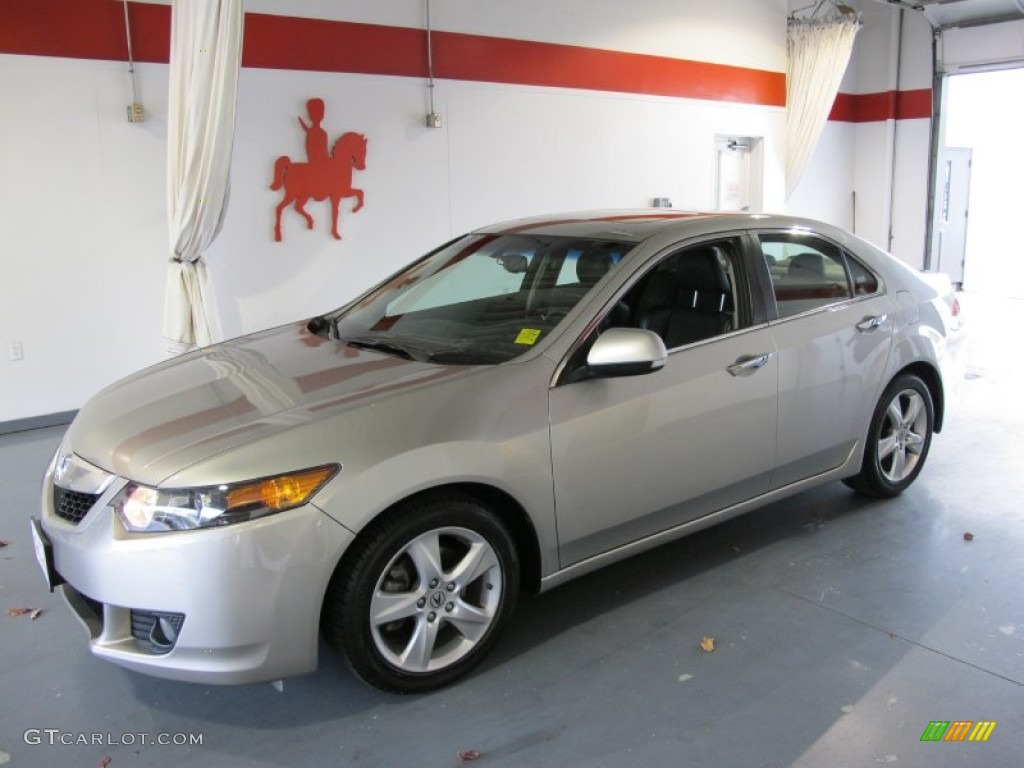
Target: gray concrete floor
x,y
843,627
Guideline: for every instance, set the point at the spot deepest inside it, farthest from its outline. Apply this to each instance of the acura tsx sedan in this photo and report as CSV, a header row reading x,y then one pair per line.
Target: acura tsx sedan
x,y
521,406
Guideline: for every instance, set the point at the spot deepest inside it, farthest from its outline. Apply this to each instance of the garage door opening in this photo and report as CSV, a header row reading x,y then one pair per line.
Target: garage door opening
x,y
980,163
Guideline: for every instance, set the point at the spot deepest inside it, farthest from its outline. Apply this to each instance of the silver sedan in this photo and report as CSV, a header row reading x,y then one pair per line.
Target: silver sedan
x,y
519,407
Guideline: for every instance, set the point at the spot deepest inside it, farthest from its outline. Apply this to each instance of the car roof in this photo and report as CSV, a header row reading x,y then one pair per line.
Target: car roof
x,y
638,225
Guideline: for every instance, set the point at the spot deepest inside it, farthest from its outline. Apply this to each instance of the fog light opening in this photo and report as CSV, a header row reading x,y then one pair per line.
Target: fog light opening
x,y
156,632
164,635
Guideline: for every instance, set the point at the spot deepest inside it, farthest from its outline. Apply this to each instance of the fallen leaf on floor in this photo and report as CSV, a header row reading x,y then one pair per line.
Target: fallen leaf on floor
x,y
684,678
707,644
105,762
3,543
35,614
968,536
18,611
470,754
735,549
848,709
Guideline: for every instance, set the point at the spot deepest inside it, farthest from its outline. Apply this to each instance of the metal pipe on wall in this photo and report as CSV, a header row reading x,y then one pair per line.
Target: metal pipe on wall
x,y
135,112
895,123
936,138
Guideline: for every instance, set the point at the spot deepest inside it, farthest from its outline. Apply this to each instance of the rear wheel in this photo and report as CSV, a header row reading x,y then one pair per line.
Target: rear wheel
x,y
423,598
898,439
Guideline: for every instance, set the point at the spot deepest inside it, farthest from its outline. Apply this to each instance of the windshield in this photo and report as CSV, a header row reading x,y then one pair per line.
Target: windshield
x,y
479,299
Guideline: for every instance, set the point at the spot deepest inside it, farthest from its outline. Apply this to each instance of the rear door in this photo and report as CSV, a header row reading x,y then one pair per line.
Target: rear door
x,y
637,455
833,330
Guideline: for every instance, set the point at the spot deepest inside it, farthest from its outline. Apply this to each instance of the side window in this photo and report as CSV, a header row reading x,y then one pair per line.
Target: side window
x,y
688,296
806,272
864,281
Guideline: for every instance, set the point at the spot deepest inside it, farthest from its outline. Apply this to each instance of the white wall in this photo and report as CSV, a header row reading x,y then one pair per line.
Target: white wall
x,y
826,190
86,243
84,231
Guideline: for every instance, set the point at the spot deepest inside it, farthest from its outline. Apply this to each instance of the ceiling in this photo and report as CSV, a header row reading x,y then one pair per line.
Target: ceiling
x,y
955,13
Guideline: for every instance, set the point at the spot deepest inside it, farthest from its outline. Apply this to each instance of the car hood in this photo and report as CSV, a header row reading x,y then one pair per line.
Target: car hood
x,y
164,419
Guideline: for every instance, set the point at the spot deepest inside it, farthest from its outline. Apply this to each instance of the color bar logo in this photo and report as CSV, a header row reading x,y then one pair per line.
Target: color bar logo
x,y
958,730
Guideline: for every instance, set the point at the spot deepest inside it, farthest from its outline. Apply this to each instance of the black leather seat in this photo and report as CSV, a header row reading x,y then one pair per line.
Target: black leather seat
x,y
691,303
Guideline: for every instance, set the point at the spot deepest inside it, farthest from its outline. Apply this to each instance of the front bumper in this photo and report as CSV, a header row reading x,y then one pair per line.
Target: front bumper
x,y
250,593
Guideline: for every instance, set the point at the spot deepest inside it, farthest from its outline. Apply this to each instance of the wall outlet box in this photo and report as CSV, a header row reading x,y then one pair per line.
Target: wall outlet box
x,y
434,120
17,351
136,114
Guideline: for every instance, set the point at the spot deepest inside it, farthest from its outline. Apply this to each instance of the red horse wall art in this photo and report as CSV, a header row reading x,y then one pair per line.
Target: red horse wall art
x,y
326,174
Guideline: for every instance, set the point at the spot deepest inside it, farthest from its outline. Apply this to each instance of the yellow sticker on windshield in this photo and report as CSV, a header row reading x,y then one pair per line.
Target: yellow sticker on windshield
x,y
528,336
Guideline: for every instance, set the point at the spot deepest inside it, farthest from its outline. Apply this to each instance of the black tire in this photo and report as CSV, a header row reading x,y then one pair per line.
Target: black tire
x,y
898,439
458,617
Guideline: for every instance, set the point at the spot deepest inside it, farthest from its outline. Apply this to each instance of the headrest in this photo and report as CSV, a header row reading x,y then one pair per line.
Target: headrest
x,y
592,265
700,270
807,266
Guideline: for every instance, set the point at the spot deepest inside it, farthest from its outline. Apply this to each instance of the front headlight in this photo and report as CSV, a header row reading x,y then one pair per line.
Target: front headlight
x,y
153,510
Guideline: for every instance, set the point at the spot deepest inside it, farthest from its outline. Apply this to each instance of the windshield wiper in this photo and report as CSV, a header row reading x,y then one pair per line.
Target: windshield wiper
x,y
387,347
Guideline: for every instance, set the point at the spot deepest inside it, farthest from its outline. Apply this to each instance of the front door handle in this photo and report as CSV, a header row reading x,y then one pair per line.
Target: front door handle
x,y
748,364
868,324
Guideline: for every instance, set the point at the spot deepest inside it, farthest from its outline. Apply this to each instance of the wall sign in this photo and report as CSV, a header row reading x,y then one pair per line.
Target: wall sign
x,y
325,174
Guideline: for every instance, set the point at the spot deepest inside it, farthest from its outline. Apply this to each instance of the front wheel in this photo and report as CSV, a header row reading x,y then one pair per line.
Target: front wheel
x,y
423,597
898,439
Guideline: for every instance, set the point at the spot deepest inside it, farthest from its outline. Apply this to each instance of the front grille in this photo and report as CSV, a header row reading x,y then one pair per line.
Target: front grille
x,y
156,631
72,505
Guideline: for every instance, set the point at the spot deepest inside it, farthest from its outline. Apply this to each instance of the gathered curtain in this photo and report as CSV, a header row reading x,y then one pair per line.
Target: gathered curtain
x,y
206,56
818,53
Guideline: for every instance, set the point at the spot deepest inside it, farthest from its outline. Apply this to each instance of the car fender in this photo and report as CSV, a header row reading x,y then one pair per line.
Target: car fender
x,y
520,469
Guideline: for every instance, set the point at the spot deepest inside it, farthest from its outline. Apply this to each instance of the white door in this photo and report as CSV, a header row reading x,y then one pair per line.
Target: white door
x,y
951,225
738,173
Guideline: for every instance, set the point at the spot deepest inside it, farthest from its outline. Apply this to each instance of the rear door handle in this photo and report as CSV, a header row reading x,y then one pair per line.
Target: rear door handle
x,y
868,324
748,364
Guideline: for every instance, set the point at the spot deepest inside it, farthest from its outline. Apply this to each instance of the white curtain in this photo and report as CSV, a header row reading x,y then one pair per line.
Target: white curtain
x,y
819,51
206,55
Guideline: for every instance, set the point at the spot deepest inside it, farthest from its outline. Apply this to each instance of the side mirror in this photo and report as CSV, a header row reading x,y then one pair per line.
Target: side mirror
x,y
626,352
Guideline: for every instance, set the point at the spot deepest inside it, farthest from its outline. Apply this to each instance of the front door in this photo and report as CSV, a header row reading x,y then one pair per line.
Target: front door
x,y
638,455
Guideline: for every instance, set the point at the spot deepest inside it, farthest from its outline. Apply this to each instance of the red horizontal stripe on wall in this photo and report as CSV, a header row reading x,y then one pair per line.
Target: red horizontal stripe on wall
x,y
94,29
286,42
84,29
914,105
877,107
502,60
